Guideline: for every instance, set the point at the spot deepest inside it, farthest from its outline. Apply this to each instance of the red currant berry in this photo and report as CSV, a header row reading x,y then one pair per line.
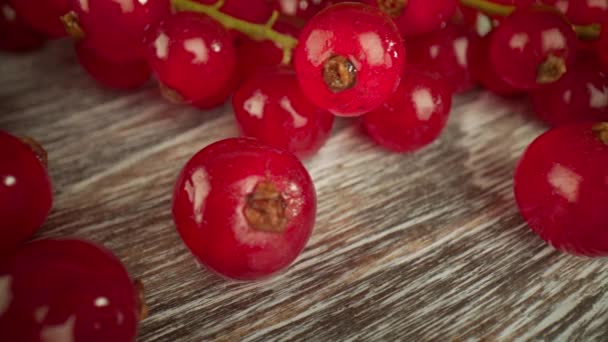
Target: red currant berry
x,y
602,48
256,55
66,290
255,11
129,75
582,12
114,28
349,70
15,35
445,53
193,57
414,116
304,9
244,209
483,72
561,185
43,16
532,48
414,17
26,195
581,95
271,107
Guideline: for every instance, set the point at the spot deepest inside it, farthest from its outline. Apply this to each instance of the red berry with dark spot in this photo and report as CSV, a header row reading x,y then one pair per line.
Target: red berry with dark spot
x,y
349,69
245,209
561,187
445,53
26,195
15,35
532,48
66,290
271,107
43,16
114,29
414,116
483,72
128,75
581,95
414,17
193,57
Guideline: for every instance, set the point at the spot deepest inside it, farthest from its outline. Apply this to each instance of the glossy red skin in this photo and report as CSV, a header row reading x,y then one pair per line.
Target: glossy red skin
x,y
115,32
255,11
580,11
216,230
444,52
561,187
43,16
57,283
197,78
337,30
519,67
286,119
399,125
26,195
423,16
581,95
129,75
257,55
15,35
483,72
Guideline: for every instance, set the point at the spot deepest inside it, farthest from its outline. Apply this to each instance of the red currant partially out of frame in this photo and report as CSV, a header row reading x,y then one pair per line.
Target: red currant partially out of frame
x,y
245,209
414,17
66,290
192,56
582,12
414,116
581,95
561,187
114,29
444,52
349,69
15,35
303,9
26,195
483,72
602,48
43,16
271,107
128,75
532,48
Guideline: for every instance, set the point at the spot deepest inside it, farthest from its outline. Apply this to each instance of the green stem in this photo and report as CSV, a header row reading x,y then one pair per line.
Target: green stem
x,y
587,32
253,31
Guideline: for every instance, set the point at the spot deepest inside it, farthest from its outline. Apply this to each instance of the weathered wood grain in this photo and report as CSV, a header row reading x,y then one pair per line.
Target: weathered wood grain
x,y
425,246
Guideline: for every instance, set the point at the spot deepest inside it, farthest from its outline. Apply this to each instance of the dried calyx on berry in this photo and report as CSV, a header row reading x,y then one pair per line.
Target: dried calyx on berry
x,y
339,73
600,130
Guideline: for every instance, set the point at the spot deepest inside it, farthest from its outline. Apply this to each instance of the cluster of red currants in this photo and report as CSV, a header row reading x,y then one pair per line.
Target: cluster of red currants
x,y
246,207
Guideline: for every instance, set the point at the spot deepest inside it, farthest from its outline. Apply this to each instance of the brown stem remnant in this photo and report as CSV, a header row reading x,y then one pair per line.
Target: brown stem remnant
x,y
265,208
142,308
339,73
551,70
393,8
39,151
601,131
72,26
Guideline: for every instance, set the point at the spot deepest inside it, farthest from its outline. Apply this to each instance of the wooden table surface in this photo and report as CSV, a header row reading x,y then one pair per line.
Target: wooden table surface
x,y
424,246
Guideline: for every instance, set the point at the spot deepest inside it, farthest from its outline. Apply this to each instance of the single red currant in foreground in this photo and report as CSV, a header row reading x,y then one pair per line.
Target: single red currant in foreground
x,y
444,52
483,72
15,35
414,116
66,290
581,95
561,187
532,48
349,69
25,190
114,28
244,209
128,75
43,16
193,57
270,106
414,17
